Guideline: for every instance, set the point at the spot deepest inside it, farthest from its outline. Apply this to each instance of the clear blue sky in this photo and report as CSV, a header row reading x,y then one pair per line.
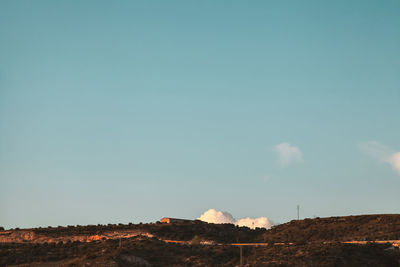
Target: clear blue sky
x,y
119,111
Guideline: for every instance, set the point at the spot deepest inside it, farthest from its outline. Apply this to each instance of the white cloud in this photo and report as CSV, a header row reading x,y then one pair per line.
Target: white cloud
x,y
214,216
382,153
288,154
261,222
394,160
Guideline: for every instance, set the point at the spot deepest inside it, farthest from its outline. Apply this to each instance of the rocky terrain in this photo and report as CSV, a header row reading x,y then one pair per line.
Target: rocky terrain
x,y
367,240
361,228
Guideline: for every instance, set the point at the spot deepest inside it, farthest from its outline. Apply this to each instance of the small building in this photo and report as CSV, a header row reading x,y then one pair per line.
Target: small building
x,y
173,220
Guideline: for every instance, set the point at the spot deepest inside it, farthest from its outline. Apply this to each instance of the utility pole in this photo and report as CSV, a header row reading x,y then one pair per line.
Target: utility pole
x,y
298,212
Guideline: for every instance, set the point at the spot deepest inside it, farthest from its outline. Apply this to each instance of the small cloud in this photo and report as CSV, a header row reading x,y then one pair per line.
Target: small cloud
x,y
288,154
381,153
394,160
215,216
261,222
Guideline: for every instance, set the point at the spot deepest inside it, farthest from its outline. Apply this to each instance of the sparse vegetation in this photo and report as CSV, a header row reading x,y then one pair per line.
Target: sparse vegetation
x,y
365,227
310,242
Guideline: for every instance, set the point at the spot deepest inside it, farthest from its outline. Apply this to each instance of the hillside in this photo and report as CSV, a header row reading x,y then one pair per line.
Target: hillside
x,y
309,242
152,252
184,231
346,228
